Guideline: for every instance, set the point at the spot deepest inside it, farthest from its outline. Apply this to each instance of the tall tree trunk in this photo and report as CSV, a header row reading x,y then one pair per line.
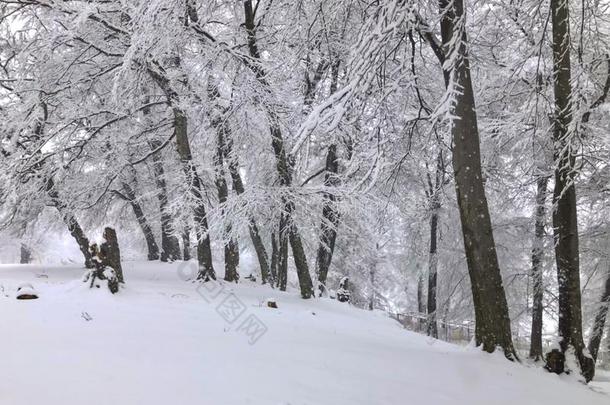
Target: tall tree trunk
x,y
282,163
330,220
151,244
434,191
492,327
71,222
231,246
599,323
537,255
432,328
204,248
565,223
330,215
170,248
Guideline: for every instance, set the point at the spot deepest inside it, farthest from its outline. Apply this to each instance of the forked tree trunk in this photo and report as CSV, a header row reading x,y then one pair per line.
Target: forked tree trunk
x,y
238,186
492,327
565,223
204,249
330,220
537,255
330,215
231,246
170,248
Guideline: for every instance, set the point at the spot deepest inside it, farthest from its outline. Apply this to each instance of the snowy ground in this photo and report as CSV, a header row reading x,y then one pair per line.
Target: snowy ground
x,y
161,341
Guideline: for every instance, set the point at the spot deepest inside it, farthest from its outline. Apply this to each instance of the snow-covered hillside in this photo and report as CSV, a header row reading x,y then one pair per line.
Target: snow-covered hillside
x,y
162,341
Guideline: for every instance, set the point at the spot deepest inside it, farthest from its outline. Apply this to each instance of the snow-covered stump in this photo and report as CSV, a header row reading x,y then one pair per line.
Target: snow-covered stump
x,y
107,263
343,294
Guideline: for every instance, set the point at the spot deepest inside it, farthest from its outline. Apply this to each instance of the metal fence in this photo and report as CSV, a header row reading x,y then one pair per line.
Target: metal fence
x,y
463,333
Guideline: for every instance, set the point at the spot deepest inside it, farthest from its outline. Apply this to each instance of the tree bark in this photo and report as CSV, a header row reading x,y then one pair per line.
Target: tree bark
x,y
492,327
565,223
537,255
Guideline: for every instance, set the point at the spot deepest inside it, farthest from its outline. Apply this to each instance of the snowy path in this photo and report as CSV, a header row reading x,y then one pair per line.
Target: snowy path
x,y
161,342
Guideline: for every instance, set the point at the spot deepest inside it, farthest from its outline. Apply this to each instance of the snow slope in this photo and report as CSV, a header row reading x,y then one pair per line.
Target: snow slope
x,y
162,341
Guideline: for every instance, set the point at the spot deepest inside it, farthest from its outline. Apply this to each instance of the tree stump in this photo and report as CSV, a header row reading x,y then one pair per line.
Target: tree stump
x,y
111,254
107,262
343,294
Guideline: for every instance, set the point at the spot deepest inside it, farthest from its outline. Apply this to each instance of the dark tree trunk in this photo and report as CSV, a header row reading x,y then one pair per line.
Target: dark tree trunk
x,y
275,258
238,186
204,248
421,298
492,327
151,244
231,247
111,253
170,248
537,255
71,222
432,329
434,191
186,245
330,220
282,276
26,254
282,163
564,197
599,323
330,215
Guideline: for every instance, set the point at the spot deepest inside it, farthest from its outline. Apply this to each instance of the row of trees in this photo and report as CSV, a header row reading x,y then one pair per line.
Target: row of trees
x,y
324,131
